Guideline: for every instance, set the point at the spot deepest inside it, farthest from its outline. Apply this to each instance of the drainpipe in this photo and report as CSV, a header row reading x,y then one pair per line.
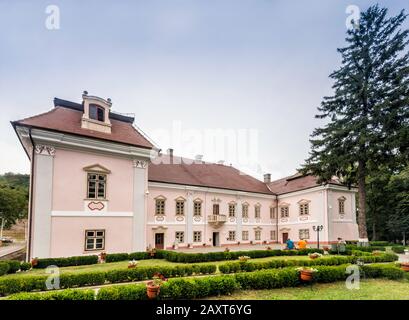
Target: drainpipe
x,y
30,213
277,241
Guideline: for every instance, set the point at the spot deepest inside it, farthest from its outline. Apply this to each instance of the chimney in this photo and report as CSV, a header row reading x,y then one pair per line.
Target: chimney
x,y
221,162
267,178
170,154
199,157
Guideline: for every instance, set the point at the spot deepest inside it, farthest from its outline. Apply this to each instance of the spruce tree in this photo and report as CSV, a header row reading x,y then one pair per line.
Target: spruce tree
x,y
367,115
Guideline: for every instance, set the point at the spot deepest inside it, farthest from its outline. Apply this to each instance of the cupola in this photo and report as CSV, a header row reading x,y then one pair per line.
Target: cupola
x,y
96,113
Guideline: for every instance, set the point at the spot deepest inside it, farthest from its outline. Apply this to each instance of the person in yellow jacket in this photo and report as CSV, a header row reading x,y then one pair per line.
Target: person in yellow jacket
x,y
302,244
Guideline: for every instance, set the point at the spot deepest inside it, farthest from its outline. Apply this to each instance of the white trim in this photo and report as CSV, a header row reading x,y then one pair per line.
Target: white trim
x,y
297,223
67,140
209,190
317,188
205,223
91,214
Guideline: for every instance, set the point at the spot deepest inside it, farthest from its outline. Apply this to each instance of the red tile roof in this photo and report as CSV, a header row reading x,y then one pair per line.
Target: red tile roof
x,y
204,174
67,120
295,183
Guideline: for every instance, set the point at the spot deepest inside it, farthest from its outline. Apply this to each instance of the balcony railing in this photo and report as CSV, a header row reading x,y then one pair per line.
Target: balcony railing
x,y
217,219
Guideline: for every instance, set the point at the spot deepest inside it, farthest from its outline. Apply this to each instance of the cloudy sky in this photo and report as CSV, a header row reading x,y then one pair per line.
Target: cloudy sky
x,y
259,67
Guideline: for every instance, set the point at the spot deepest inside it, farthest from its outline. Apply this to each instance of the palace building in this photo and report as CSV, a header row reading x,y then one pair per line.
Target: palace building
x,y
98,184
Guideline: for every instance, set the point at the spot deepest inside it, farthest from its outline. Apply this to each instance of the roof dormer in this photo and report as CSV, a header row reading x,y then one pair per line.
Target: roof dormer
x,y
96,113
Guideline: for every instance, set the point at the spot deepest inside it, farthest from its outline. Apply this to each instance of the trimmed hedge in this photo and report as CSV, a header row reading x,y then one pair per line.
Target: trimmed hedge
x,y
27,283
366,249
14,266
182,257
171,256
173,289
66,262
4,268
24,266
56,295
379,243
194,288
233,267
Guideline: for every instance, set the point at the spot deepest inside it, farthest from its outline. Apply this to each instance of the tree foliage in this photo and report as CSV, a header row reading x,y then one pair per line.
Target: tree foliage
x,y
368,114
13,197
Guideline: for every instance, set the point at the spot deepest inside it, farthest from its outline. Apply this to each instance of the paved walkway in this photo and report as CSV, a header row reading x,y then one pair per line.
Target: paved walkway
x,y
11,248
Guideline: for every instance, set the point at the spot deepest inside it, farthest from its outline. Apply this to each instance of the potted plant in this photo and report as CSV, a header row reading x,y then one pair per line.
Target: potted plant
x,y
153,287
315,255
132,264
238,243
244,259
34,262
227,249
152,252
404,266
102,257
306,274
268,248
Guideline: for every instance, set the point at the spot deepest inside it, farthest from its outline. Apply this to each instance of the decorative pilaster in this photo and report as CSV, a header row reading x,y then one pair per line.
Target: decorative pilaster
x,y
43,190
239,219
140,188
189,218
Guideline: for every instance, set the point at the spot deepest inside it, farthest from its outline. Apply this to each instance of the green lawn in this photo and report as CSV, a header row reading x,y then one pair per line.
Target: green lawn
x,y
370,289
142,263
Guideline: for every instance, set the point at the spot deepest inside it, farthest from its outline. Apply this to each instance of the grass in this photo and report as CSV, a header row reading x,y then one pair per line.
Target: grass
x,y
142,263
370,289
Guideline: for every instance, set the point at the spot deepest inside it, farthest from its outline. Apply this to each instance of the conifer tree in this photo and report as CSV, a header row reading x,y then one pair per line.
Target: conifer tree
x,y
367,115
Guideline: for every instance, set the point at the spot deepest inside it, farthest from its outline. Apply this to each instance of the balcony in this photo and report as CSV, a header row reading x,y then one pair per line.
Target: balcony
x,y
216,220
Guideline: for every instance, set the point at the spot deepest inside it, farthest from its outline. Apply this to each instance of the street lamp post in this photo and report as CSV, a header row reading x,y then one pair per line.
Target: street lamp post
x,y
318,229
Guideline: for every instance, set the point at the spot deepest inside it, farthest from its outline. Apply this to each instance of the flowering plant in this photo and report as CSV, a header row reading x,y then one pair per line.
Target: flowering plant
x,y
132,264
315,255
307,269
244,258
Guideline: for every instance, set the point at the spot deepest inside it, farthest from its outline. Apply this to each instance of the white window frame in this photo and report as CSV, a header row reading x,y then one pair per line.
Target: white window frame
x,y
94,238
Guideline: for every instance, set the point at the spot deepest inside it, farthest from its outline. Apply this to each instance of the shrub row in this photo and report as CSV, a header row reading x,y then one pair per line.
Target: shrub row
x,y
220,256
66,262
367,249
12,266
27,283
233,267
68,294
194,288
170,256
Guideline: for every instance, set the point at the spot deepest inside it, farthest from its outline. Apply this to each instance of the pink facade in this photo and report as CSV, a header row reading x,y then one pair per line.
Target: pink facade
x,y
97,190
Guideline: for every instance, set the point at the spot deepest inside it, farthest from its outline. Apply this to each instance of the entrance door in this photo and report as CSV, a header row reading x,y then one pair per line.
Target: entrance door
x,y
216,239
159,240
285,237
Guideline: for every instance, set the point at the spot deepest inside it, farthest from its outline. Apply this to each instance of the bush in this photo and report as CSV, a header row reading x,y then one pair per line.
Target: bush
x,y
28,283
173,289
14,266
383,271
24,266
66,262
128,292
379,243
398,249
4,268
233,267
181,257
56,295
115,257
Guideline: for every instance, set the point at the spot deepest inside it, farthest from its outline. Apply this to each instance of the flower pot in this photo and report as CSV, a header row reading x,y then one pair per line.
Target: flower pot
x,y
152,290
306,275
405,267
131,266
